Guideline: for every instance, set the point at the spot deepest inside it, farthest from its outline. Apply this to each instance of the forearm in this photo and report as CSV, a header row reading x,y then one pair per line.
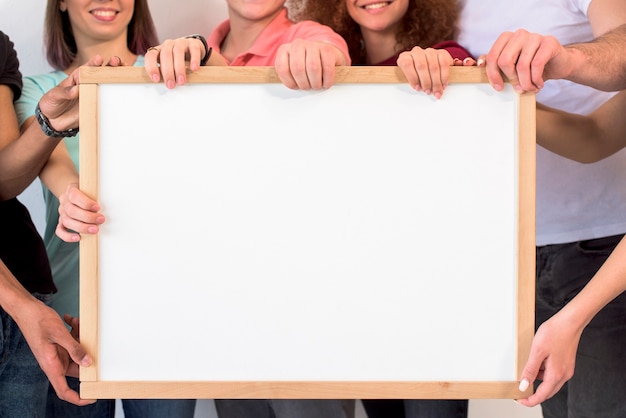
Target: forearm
x,y
600,63
59,171
608,283
569,135
13,296
22,160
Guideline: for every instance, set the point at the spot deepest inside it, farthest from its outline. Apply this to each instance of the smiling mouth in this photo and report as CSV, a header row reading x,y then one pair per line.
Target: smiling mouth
x,y
104,13
375,6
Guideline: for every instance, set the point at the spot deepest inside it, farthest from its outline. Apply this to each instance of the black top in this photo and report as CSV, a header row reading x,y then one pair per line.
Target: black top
x,y
21,246
9,66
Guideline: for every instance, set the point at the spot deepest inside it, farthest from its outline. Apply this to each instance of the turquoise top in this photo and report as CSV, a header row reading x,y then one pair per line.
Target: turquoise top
x,y
63,255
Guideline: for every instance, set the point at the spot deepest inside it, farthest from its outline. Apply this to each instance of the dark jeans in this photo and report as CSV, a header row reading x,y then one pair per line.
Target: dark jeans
x,y
284,408
133,408
23,384
598,387
419,408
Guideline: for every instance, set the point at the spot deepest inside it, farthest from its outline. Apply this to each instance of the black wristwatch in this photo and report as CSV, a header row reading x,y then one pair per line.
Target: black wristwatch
x,y
208,50
48,129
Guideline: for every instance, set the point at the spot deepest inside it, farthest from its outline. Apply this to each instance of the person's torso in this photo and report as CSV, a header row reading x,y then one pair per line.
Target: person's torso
x,y
574,201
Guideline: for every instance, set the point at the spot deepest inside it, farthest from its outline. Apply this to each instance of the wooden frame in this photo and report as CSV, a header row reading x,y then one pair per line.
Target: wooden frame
x,y
160,324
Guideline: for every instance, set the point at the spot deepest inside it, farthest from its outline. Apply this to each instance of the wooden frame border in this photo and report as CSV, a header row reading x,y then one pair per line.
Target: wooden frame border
x,y
92,388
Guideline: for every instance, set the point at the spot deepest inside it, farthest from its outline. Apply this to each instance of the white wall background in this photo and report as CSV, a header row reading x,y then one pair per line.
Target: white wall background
x,y
22,20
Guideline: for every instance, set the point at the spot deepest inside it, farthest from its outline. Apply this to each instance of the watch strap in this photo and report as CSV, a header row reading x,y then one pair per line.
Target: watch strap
x,y
48,129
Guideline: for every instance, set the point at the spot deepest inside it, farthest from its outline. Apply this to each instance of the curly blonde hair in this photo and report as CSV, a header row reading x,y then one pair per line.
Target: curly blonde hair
x,y
425,23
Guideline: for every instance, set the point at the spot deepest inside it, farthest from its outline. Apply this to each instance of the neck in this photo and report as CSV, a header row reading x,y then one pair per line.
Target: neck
x,y
379,46
243,33
87,49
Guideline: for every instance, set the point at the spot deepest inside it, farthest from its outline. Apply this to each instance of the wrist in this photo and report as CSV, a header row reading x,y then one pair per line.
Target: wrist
x,y
47,127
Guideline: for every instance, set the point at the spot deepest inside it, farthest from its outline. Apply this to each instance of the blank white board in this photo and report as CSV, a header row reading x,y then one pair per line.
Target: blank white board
x,y
363,241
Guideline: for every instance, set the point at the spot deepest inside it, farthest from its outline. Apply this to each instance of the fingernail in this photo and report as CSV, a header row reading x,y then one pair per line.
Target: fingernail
x,y
480,62
523,385
170,84
155,78
181,80
466,60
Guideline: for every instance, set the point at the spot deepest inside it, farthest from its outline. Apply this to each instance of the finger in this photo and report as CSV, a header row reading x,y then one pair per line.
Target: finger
x,y
550,48
196,52
523,70
180,53
544,391
331,58
66,234
492,61
64,392
532,368
114,61
80,199
95,61
315,68
481,61
72,321
283,71
440,72
469,62
423,67
167,63
405,63
151,64
74,324
78,219
70,223
298,65
77,352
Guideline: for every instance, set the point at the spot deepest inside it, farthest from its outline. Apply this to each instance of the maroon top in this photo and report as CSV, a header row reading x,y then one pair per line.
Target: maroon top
x,y
455,50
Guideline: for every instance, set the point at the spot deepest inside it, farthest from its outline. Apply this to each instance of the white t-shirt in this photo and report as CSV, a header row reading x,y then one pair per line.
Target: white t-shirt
x,y
574,201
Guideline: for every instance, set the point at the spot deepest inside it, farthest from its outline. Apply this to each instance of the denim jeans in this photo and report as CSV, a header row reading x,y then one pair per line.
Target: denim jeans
x,y
598,387
418,408
284,408
133,408
23,385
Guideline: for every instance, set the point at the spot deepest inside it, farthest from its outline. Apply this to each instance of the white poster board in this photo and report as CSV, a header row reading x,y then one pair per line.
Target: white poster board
x,y
366,241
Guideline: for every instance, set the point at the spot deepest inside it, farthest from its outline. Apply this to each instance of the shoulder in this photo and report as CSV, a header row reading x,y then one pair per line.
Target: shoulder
x,y
35,86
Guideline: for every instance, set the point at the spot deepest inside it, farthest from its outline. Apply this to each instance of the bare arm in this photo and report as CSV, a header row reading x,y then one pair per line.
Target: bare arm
x,y
529,59
23,156
585,139
50,341
553,351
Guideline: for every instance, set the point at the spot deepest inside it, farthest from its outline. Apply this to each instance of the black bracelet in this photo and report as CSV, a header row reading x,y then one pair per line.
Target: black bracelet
x,y
208,50
48,129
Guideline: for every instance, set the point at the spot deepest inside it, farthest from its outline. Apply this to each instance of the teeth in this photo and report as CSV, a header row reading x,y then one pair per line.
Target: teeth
x,y
376,5
104,13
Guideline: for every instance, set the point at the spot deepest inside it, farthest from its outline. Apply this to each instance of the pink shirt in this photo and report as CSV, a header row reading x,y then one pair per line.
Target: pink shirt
x,y
280,31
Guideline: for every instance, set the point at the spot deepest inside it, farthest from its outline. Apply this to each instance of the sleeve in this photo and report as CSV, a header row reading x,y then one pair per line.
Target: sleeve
x,y
31,94
314,31
9,66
